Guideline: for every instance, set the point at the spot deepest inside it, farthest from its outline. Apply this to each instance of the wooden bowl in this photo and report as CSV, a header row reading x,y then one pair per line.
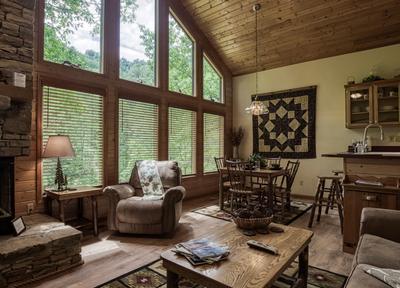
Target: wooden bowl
x,y
252,223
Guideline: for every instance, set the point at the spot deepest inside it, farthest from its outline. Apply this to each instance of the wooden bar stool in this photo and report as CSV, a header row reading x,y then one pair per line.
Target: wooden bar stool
x,y
334,196
331,195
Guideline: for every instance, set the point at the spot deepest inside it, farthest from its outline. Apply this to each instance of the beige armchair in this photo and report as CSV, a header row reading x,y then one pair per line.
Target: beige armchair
x,y
129,212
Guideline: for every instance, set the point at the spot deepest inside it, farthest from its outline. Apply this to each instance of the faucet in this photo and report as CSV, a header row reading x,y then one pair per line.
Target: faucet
x,y
366,131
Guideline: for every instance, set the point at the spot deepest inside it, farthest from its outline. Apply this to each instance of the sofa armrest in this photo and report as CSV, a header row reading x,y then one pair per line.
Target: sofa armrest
x,y
115,193
119,192
173,195
172,208
384,223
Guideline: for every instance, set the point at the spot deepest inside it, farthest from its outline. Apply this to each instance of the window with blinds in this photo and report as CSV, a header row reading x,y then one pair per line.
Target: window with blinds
x,y
138,135
213,140
182,139
80,116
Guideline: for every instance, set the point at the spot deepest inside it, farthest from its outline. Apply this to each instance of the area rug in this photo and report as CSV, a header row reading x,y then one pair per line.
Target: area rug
x,y
298,208
154,275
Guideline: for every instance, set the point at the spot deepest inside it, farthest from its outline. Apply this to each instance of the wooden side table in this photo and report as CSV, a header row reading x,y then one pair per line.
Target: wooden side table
x,y
80,193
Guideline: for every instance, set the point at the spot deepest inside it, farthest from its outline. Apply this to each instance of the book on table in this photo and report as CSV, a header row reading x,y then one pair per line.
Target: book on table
x,y
202,251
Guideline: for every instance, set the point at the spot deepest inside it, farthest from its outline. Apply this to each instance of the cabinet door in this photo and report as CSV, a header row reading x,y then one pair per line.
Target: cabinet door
x,y
359,106
387,103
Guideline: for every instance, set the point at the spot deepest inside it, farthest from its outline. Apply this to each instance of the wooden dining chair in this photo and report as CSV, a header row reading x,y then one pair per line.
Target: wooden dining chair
x,y
225,185
283,186
271,161
241,183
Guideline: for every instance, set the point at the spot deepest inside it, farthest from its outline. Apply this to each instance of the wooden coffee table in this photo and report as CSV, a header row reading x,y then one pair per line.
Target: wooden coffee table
x,y
245,267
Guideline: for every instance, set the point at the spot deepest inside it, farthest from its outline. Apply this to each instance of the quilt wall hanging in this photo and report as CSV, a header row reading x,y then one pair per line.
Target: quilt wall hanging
x,y
288,129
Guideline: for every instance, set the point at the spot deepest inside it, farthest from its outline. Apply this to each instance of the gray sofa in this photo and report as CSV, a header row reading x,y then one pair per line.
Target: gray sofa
x,y
379,246
129,213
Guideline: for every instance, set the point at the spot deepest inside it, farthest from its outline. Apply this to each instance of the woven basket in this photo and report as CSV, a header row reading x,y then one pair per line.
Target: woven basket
x,y
252,223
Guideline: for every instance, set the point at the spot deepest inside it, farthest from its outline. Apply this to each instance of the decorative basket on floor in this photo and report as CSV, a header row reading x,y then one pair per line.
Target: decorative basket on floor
x,y
252,223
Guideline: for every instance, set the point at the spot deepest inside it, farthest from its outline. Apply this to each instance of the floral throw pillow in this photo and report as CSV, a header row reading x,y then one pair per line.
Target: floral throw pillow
x,y
389,276
150,179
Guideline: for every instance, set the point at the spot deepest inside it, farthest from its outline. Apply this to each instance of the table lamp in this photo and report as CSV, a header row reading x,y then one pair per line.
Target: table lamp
x,y
59,146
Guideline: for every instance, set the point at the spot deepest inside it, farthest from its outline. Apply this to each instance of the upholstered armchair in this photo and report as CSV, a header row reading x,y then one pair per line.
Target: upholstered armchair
x,y
129,212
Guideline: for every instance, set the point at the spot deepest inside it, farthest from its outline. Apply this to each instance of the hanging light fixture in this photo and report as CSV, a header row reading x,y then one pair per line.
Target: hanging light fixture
x,y
256,107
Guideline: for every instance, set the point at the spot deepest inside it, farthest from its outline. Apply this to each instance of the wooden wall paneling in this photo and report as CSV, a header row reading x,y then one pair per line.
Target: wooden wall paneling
x,y
316,28
28,169
163,44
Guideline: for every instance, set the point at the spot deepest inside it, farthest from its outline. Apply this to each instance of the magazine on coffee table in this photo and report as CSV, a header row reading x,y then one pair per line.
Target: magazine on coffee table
x,y
202,251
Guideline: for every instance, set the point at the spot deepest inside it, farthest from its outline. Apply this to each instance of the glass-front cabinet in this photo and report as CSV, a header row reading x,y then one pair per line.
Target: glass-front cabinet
x,y
387,103
375,102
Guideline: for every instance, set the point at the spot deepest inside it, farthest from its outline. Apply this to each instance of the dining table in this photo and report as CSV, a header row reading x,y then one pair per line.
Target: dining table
x,y
266,174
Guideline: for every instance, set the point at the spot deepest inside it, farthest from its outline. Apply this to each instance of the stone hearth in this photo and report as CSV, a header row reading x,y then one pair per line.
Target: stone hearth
x,y
45,248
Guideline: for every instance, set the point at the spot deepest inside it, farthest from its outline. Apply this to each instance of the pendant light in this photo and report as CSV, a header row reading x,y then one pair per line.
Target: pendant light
x,y
256,107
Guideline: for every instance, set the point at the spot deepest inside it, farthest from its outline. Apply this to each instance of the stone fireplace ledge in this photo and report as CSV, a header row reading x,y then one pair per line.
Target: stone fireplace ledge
x,y
45,248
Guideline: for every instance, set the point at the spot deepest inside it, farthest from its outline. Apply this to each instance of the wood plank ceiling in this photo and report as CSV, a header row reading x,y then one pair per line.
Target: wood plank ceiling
x,y
294,31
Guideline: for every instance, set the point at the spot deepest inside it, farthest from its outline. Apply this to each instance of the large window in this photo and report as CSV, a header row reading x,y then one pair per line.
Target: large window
x,y
80,116
137,50
182,139
181,59
138,135
213,140
212,82
73,33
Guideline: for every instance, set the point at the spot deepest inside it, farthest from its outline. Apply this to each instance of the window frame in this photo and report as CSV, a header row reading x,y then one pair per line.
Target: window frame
x,y
194,53
156,47
41,15
59,84
205,57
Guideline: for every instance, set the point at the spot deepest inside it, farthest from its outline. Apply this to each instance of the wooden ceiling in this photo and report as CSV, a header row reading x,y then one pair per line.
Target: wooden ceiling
x,y
294,31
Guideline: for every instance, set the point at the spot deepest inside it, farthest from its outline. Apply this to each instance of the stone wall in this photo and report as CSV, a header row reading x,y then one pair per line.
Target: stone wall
x,y
15,129
16,39
47,247
16,55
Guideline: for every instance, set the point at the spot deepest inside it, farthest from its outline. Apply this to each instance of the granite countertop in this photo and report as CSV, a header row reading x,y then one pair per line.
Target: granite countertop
x,y
379,155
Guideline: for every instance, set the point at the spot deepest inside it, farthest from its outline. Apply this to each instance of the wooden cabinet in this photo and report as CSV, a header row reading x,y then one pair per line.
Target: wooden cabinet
x,y
375,102
358,197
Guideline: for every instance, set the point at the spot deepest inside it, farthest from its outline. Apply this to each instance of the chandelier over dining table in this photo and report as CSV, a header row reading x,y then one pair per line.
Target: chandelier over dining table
x,y
256,107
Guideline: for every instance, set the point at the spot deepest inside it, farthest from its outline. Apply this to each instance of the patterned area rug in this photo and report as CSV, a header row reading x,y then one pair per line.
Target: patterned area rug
x,y
154,275
298,208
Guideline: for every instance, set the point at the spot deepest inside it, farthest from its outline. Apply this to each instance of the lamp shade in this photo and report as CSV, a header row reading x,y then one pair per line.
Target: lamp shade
x,y
58,146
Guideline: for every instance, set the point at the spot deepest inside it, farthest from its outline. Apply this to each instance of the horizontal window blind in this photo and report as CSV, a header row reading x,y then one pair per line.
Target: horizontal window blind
x,y
80,116
182,139
213,140
138,135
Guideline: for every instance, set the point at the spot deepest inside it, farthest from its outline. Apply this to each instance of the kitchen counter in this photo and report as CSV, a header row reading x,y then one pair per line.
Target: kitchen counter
x,y
378,166
370,155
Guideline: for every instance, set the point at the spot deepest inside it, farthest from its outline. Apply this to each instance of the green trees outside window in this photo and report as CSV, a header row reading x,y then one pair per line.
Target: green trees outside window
x,y
181,59
213,140
212,87
182,139
73,33
137,50
80,116
138,135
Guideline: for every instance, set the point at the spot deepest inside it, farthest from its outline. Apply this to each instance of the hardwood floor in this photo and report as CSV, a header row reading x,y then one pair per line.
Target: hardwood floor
x,y
111,254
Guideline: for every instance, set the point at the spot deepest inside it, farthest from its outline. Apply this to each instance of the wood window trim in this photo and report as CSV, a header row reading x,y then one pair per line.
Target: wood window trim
x,y
111,87
56,83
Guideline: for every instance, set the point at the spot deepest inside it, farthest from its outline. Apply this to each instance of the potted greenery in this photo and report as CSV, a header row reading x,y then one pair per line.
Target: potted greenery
x,y
237,137
257,158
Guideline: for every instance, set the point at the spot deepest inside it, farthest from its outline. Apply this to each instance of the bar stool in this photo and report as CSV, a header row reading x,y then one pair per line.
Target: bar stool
x,y
334,197
331,195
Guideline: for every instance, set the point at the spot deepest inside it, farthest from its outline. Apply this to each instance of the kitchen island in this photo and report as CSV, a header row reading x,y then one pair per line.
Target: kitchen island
x,y
380,168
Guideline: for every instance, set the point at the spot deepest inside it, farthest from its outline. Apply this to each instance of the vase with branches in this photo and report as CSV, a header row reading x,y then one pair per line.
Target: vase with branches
x,y
237,137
